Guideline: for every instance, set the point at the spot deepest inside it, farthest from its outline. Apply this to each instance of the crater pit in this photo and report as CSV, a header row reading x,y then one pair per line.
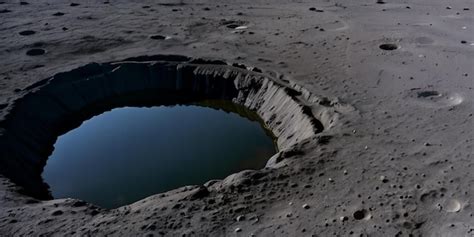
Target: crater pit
x,y
129,153
56,105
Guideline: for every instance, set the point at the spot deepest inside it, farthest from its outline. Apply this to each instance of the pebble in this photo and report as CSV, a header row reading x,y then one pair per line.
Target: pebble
x,y
305,206
237,230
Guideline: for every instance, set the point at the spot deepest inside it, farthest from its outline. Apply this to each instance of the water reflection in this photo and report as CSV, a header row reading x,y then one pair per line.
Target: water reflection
x,y
129,153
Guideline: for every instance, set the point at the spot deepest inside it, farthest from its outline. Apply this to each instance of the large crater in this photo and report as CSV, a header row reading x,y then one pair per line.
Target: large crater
x,y
55,105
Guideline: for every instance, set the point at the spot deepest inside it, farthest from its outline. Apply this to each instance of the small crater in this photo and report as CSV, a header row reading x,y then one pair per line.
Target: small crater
x,y
435,99
425,94
5,11
74,4
360,214
233,24
57,213
388,46
27,32
313,9
35,52
429,197
58,14
452,205
158,37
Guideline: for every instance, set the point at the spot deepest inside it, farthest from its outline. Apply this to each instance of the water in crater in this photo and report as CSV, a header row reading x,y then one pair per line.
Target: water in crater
x,y
129,153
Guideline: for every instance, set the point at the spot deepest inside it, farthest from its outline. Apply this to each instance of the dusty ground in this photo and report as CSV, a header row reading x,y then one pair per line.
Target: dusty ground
x,y
401,165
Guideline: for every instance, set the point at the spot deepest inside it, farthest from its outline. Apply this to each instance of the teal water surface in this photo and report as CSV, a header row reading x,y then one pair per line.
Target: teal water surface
x,y
129,153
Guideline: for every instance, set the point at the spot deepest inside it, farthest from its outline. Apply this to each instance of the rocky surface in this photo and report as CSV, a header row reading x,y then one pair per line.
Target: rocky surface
x,y
396,162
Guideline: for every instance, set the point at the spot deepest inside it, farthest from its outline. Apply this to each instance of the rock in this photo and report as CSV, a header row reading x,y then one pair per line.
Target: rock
x,y
199,193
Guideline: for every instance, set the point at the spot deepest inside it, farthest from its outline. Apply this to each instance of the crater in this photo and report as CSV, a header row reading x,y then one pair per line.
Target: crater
x,y
35,52
158,37
129,153
56,105
434,99
425,94
27,32
388,47
231,24
360,214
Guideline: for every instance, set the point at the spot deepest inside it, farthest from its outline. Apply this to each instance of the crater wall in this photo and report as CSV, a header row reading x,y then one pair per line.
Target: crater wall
x,y
57,104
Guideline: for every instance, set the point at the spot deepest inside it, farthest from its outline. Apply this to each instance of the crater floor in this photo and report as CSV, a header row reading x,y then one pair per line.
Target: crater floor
x,y
397,159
